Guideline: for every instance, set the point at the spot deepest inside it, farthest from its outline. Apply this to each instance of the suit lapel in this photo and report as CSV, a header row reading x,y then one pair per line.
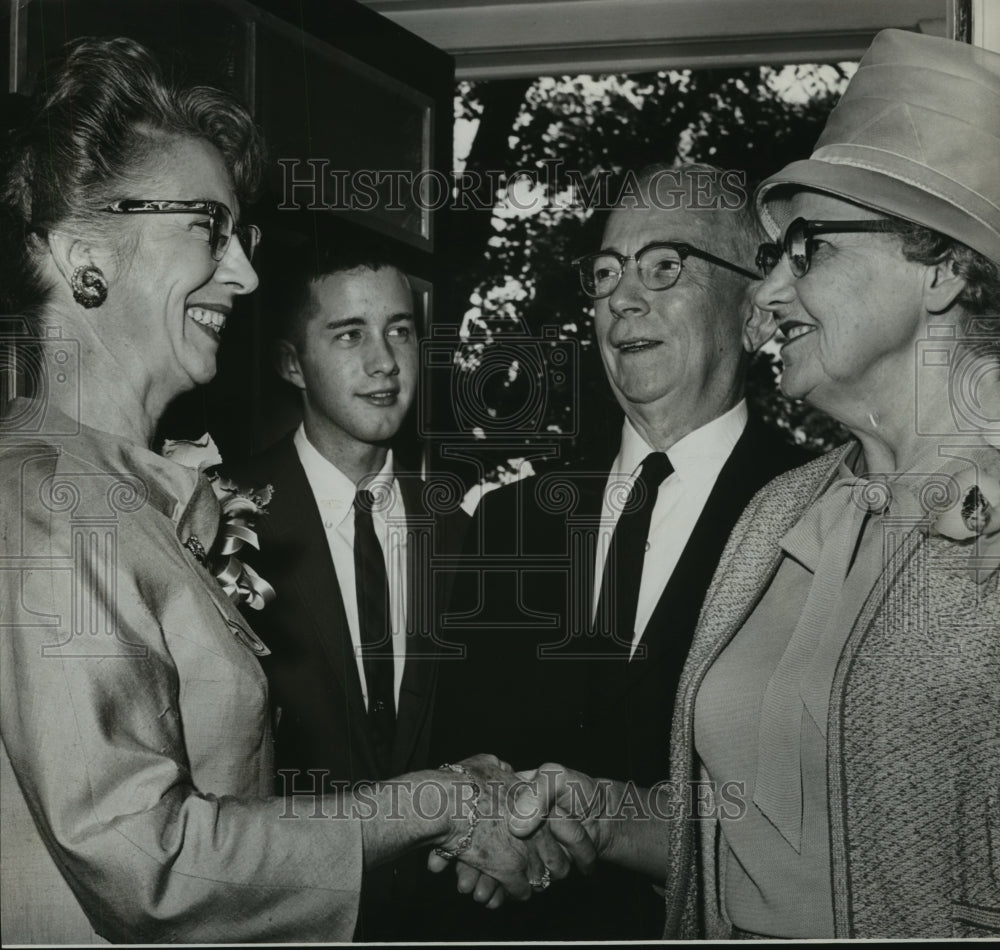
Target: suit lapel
x,y
310,576
419,670
676,613
429,534
591,509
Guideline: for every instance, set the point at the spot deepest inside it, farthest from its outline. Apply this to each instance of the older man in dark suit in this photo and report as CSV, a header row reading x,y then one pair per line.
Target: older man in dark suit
x,y
585,587
352,667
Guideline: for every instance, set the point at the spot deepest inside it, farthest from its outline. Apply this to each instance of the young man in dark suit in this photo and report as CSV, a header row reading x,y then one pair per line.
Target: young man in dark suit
x,y
585,586
353,664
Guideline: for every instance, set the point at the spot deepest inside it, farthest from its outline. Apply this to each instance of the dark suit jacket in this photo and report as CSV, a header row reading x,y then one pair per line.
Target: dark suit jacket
x,y
315,689
532,686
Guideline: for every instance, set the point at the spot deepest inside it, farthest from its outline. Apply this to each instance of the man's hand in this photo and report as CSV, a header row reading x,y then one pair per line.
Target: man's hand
x,y
495,863
599,819
571,805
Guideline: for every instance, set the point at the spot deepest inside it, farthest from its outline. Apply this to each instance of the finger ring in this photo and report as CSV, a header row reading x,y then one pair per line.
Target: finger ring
x,y
543,882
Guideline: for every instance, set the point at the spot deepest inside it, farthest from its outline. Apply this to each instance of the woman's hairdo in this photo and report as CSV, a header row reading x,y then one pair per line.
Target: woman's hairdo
x,y
94,120
981,296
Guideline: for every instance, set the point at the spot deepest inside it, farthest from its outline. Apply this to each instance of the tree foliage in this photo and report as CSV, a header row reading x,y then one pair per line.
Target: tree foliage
x,y
543,153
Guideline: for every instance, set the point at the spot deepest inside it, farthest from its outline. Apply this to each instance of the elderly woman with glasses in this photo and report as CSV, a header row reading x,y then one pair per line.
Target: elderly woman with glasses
x,y
836,741
136,759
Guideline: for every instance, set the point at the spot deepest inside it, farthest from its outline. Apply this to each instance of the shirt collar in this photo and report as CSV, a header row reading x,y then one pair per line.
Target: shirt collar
x,y
330,486
706,447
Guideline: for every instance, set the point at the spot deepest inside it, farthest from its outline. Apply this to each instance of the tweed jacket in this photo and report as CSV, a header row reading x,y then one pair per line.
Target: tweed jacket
x,y
913,760
136,760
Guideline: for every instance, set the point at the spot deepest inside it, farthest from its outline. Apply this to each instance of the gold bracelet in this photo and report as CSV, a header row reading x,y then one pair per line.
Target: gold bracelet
x,y
474,816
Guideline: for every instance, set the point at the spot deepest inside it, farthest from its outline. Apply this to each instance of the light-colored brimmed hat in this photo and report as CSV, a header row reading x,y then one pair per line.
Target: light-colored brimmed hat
x,y
915,135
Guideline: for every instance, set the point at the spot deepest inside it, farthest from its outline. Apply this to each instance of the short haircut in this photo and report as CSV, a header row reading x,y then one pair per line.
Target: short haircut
x,y
743,232
981,296
290,287
96,119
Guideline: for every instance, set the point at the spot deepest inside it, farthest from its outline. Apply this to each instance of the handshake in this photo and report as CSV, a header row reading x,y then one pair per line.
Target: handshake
x,y
514,833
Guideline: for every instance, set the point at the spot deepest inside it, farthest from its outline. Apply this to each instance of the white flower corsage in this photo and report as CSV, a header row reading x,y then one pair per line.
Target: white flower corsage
x,y
240,509
201,454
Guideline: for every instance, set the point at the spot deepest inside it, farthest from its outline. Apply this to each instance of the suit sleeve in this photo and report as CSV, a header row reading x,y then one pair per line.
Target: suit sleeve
x,y
97,743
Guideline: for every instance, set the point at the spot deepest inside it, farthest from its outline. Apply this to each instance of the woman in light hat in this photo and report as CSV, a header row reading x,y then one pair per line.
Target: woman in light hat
x,y
842,694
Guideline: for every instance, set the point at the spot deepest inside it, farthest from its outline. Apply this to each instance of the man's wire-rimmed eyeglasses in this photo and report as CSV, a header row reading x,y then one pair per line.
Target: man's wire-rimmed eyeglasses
x,y
221,223
798,241
659,265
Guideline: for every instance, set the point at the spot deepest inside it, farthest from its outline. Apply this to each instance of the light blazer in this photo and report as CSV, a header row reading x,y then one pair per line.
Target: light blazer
x,y
913,757
136,760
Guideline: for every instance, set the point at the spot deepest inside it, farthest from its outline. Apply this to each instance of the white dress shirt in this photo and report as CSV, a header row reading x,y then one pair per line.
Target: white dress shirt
x,y
697,460
334,493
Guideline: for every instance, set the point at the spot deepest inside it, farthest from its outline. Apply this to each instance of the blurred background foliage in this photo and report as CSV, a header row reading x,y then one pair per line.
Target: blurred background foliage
x,y
531,157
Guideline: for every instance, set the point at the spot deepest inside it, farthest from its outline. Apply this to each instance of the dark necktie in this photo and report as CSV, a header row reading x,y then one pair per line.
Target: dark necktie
x,y
619,598
372,585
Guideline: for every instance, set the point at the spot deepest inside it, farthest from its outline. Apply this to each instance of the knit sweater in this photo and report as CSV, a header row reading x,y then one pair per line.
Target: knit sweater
x,y
913,757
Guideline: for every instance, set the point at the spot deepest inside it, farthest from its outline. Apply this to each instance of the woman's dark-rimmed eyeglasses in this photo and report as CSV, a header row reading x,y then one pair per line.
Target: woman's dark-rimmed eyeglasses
x,y
798,241
221,223
659,265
